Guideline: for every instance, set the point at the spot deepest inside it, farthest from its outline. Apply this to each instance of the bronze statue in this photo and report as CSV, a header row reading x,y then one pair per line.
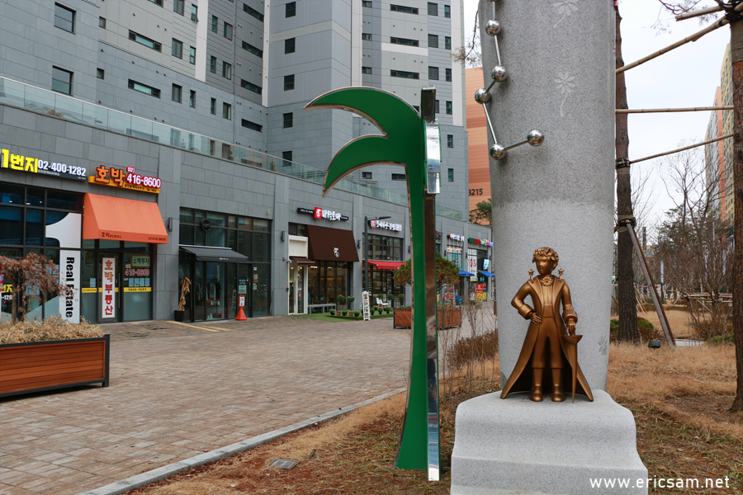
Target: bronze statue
x,y
547,343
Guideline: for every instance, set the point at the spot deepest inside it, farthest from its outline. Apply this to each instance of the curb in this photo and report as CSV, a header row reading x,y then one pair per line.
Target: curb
x,y
140,480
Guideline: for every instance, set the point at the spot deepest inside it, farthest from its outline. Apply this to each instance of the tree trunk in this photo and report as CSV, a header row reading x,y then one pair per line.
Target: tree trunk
x,y
627,310
736,58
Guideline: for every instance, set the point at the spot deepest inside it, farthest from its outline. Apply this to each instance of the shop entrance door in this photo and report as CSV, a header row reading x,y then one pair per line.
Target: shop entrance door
x,y
297,288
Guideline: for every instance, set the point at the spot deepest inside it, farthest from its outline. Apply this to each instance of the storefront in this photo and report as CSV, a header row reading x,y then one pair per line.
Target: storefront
x,y
385,256
104,247
333,252
455,250
223,256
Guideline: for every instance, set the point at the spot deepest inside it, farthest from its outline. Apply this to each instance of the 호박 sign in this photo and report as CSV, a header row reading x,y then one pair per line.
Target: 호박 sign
x,y
108,282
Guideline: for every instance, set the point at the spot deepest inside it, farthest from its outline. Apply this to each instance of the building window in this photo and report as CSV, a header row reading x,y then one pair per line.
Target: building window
x,y
383,248
251,87
192,99
291,9
404,9
450,175
194,13
252,49
366,37
403,41
436,106
177,93
366,70
448,75
61,81
366,175
404,74
157,2
433,9
253,12
64,18
287,156
288,120
290,45
213,106
228,31
398,176
289,82
226,70
433,41
177,48
213,64
100,74
192,55
433,73
227,111
366,4
450,140
102,22
448,108
252,126
215,23
143,88
144,40
447,43
178,6
447,11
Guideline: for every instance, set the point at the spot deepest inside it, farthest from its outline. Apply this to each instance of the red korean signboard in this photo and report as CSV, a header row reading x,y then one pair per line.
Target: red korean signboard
x,y
108,302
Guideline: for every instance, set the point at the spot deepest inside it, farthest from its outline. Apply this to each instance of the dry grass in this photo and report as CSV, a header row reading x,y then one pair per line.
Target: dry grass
x,y
54,328
679,400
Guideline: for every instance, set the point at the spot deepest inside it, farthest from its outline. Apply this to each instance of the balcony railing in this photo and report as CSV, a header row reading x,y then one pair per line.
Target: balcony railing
x,y
18,94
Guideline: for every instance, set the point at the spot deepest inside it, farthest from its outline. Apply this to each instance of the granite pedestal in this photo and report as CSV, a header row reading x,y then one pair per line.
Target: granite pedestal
x,y
515,446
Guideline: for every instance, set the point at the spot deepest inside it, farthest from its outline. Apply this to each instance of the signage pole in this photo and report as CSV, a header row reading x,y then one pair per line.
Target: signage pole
x,y
366,253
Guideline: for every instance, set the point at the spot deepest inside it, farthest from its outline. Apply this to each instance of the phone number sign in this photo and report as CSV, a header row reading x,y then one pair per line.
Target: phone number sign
x,y
33,165
125,178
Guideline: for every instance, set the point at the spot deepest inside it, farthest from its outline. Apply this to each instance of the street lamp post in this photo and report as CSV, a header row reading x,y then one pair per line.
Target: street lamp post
x,y
366,248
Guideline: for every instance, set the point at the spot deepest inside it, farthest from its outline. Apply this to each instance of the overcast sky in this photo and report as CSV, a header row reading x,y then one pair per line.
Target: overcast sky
x,y
684,77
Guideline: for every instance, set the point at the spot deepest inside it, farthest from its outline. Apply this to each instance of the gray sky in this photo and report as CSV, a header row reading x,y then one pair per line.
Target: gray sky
x,y
684,77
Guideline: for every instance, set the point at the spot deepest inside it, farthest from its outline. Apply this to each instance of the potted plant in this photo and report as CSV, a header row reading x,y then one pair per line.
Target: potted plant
x,y
185,289
350,300
341,299
48,354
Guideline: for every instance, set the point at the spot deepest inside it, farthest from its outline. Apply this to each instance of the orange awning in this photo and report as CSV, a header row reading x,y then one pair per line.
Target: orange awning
x,y
387,265
118,219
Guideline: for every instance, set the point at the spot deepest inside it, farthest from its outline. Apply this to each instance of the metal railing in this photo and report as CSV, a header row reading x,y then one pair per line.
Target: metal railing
x,y
22,95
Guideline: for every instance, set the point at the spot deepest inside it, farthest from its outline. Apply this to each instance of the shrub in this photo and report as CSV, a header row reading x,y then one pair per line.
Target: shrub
x,y
341,299
401,298
344,313
356,313
475,348
332,312
722,339
647,331
54,328
387,310
374,309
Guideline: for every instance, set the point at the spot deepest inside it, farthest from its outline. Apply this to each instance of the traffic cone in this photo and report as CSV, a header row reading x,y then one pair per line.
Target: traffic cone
x,y
241,315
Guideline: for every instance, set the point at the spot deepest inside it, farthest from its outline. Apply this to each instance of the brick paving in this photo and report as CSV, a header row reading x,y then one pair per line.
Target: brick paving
x,y
178,390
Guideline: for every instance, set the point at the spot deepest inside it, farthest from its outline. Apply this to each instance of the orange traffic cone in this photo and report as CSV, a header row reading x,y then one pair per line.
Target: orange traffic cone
x,y
241,315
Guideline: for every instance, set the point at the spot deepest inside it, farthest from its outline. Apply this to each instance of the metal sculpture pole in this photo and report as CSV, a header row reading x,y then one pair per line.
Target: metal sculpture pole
x,y
411,140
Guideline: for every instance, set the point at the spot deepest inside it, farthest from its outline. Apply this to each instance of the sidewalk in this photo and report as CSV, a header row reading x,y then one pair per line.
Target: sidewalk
x,y
178,390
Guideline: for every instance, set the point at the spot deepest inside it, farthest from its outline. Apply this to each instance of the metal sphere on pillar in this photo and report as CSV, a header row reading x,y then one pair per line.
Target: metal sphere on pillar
x,y
482,96
499,73
492,27
535,137
497,151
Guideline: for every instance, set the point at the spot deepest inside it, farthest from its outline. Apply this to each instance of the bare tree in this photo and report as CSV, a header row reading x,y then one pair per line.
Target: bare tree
x,y
694,243
30,278
470,54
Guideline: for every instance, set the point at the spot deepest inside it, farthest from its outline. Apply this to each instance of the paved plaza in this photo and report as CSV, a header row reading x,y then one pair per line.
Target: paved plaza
x,y
178,390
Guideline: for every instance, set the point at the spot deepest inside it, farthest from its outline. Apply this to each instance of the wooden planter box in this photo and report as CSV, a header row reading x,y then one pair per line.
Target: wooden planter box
x,y
39,366
403,318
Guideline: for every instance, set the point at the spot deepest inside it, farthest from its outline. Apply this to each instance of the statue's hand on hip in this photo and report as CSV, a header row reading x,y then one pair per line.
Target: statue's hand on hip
x,y
534,317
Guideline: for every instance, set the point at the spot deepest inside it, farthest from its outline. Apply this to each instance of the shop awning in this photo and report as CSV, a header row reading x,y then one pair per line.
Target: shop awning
x,y
119,219
208,253
387,265
302,261
487,274
463,273
328,244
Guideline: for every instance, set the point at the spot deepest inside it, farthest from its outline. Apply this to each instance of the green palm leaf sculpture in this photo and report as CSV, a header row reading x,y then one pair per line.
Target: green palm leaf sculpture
x,y
404,143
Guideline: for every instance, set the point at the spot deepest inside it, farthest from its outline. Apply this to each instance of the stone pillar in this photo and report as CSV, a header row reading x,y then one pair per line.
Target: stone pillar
x,y
559,57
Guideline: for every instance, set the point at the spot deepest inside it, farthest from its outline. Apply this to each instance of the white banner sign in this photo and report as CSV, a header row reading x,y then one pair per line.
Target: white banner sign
x,y
69,275
365,305
108,298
